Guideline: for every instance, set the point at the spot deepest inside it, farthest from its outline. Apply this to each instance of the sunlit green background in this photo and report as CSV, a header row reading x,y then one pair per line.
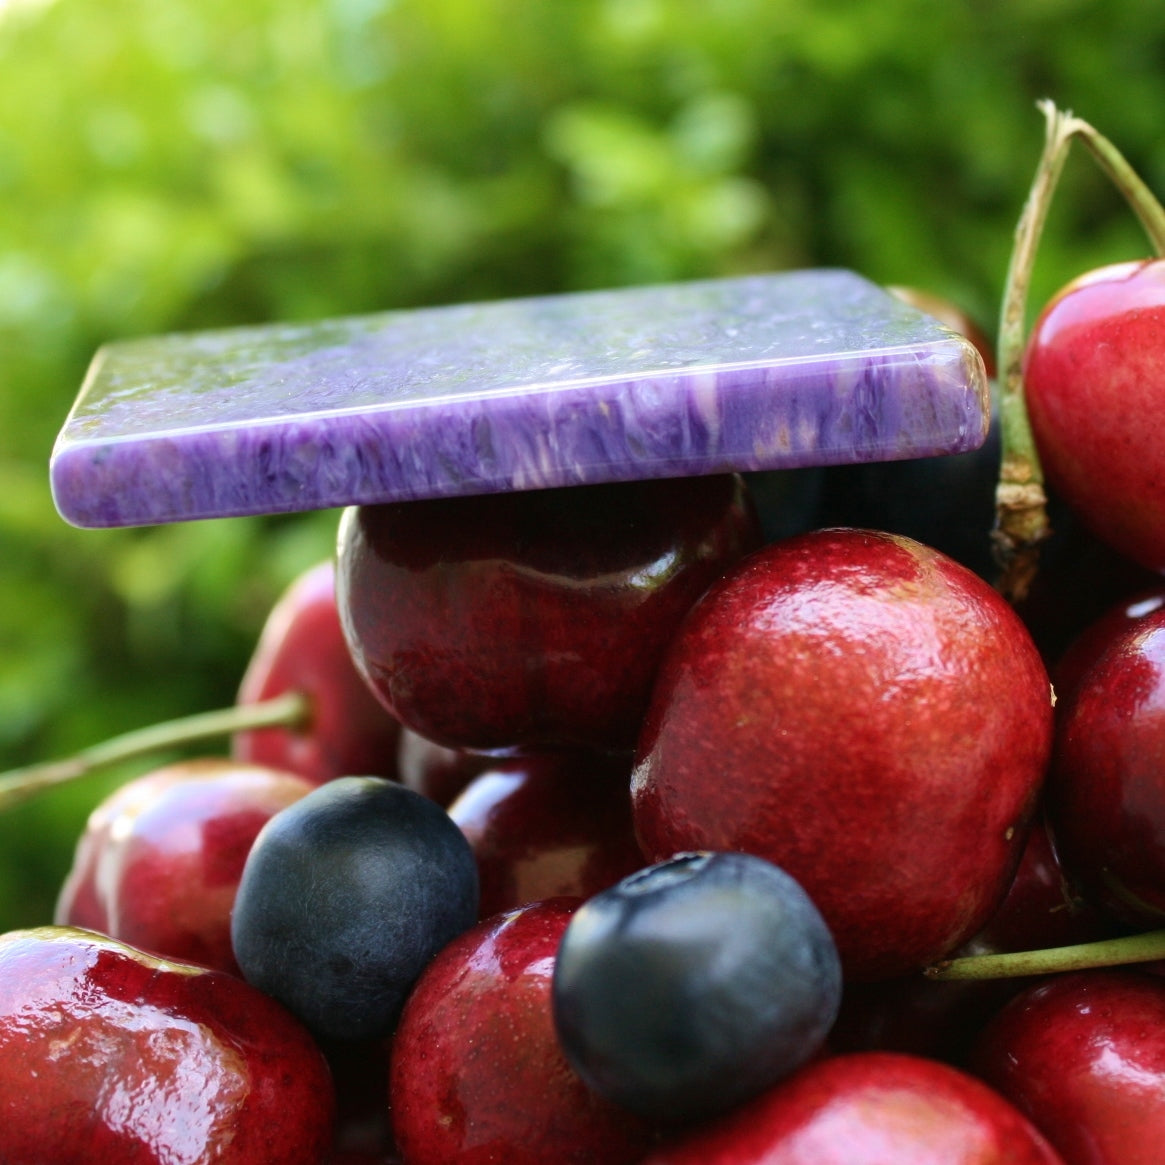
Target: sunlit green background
x,y
174,164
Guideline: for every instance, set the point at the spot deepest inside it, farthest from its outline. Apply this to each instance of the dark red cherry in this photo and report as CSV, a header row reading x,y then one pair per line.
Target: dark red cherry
x,y
868,715
534,619
919,1016
549,826
109,1056
160,859
1094,639
1106,790
1041,908
477,1073
438,772
942,1019
1083,1055
302,649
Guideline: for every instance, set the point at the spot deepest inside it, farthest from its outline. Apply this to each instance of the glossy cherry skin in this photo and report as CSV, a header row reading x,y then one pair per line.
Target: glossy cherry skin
x,y
535,619
1083,1055
160,859
109,1056
477,1075
1093,374
549,826
869,716
79,903
1041,908
1094,640
942,1019
870,1108
1106,791
302,649
435,771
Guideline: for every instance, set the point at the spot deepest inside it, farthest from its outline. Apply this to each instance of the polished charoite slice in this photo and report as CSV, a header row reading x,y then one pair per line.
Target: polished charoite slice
x,y
799,368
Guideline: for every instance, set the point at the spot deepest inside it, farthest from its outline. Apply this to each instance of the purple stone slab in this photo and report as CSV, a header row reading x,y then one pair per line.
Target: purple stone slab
x,y
799,368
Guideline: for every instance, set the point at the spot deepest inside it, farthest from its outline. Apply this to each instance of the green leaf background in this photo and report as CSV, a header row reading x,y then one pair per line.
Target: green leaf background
x,y
172,164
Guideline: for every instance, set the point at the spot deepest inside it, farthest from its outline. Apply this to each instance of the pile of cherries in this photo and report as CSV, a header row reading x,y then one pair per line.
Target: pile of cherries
x,y
622,832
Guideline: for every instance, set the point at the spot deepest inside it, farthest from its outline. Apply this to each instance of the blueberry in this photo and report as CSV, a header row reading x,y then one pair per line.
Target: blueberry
x,y
693,985
345,897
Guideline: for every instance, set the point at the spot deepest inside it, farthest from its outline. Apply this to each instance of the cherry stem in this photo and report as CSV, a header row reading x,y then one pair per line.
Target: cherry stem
x,y
1020,499
290,710
1140,198
1113,952
1021,517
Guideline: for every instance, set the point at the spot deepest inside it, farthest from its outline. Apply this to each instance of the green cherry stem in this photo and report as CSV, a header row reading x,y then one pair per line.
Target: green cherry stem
x,y
291,710
1021,517
1133,948
1021,522
1140,198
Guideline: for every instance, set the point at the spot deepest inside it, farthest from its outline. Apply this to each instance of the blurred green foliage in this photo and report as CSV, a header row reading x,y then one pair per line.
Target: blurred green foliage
x,y
175,164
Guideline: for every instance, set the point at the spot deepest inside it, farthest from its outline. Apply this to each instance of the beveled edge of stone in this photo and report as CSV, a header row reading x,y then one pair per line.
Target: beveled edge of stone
x,y
885,404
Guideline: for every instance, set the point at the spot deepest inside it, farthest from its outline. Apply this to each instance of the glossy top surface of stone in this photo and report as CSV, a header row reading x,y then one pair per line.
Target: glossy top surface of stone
x,y
775,371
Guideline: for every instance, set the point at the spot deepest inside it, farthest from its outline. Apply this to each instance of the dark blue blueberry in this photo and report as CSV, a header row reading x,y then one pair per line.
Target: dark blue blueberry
x,y
345,897
695,984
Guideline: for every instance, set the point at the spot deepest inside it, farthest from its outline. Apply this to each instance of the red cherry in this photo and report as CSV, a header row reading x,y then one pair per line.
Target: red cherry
x,y
1083,1055
435,771
110,1056
477,1074
1094,640
869,1108
531,620
942,1019
869,716
1106,790
80,903
160,859
1094,377
302,649
551,826
1041,910
916,1015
